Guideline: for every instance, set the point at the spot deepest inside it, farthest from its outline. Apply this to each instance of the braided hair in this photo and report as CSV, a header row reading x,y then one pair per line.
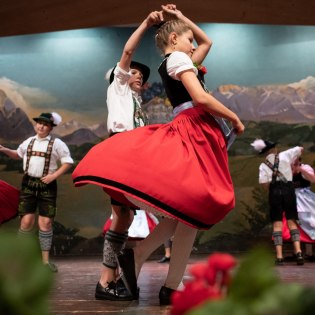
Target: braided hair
x,y
165,29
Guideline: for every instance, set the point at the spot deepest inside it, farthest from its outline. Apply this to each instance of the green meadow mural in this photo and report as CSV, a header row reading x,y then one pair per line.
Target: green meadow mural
x,y
266,74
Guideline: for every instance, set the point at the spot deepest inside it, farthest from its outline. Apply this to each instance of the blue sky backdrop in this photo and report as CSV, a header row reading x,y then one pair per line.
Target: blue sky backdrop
x,y
65,70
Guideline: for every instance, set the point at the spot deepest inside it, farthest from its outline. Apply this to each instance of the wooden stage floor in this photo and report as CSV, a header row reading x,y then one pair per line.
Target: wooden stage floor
x,y
74,286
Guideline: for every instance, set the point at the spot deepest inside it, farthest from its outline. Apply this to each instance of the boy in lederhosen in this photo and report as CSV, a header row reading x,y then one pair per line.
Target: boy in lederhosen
x,y
40,155
275,174
124,114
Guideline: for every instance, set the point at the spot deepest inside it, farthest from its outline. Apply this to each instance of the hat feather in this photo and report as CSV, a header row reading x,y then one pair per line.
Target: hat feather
x,y
56,118
258,145
108,73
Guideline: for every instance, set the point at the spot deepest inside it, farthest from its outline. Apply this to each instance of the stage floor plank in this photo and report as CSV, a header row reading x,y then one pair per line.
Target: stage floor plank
x,y
74,286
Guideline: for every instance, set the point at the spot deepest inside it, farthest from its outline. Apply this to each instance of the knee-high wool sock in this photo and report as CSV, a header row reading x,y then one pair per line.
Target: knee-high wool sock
x,y
295,235
113,243
25,233
45,239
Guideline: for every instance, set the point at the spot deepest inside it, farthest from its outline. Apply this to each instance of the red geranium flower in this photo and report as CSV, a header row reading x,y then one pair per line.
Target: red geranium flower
x,y
211,276
199,270
210,282
194,294
221,261
201,68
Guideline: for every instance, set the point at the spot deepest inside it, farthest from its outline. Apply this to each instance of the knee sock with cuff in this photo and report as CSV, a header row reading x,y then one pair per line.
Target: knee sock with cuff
x,y
25,233
277,238
45,239
113,243
295,235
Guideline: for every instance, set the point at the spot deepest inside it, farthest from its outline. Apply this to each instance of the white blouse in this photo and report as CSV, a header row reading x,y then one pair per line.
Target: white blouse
x,y
178,62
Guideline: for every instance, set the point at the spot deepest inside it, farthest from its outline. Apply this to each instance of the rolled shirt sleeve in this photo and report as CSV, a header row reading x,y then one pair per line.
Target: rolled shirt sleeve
x,y
63,152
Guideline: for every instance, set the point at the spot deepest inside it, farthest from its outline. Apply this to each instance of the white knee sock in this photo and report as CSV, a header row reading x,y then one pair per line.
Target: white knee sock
x,y
162,232
183,242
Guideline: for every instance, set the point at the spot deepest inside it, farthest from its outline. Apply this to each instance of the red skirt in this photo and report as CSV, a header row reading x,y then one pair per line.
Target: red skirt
x,y
180,168
304,238
9,201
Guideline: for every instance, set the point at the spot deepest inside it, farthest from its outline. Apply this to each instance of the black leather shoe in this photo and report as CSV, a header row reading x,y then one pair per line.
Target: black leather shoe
x,y
164,259
121,286
52,267
299,259
126,261
111,293
165,295
279,261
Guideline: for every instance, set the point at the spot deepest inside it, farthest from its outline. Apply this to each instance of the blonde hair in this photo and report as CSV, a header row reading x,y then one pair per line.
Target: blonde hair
x,y
163,32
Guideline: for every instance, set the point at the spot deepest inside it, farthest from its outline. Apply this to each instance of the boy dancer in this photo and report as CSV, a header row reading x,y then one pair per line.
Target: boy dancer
x,y
275,174
124,114
40,155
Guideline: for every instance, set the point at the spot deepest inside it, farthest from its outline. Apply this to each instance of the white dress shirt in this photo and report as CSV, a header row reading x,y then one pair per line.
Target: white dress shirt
x,y
120,102
286,159
60,153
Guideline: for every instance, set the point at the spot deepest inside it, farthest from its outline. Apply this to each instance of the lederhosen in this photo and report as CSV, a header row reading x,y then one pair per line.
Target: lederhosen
x,y
33,185
282,196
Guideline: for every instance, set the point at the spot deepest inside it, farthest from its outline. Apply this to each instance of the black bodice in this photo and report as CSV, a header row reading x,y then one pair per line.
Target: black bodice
x,y
175,90
300,182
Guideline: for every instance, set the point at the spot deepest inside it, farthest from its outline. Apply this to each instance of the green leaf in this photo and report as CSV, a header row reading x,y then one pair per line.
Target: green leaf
x,y
255,276
24,281
257,290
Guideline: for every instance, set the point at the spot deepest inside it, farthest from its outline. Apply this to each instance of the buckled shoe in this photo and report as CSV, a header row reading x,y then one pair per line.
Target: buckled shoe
x,y
112,293
279,261
164,259
165,295
52,267
299,259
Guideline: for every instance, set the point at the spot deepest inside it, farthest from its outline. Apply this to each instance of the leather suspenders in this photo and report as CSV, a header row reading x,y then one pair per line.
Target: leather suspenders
x,y
45,155
275,169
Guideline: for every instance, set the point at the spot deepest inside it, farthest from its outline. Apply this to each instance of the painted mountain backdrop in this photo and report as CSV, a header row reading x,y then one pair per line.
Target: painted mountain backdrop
x,y
288,103
291,103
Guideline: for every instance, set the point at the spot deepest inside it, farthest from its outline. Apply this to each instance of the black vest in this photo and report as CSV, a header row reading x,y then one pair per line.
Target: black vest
x,y
175,90
300,182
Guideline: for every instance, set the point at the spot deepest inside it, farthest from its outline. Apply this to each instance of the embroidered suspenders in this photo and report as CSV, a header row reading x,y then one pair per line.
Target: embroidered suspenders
x,y
46,155
138,115
275,170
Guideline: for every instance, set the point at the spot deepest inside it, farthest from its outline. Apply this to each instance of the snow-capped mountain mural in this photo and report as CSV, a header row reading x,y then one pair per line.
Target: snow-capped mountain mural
x,y
288,103
291,103
14,123
68,127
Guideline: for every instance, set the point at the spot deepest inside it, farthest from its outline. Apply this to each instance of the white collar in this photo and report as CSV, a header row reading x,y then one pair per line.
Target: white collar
x,y
47,138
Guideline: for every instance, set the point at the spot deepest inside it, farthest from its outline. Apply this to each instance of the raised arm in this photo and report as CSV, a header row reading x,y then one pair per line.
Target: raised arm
x,y
132,43
201,38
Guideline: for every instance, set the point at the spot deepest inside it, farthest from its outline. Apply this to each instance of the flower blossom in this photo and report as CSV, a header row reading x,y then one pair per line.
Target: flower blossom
x,y
210,282
201,68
